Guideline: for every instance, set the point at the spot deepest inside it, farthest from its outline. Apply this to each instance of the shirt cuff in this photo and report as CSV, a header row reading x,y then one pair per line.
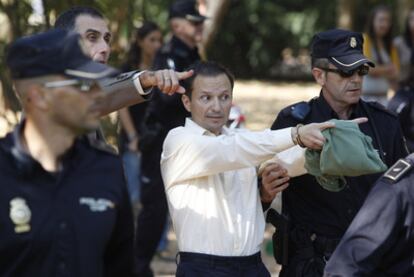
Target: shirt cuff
x,y
138,85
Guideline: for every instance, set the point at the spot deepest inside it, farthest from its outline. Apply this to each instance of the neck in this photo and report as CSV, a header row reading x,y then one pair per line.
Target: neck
x,y
46,143
343,110
187,41
146,62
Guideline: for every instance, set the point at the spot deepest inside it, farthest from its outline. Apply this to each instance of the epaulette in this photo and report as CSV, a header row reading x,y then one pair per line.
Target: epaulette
x,y
298,111
398,170
102,146
377,106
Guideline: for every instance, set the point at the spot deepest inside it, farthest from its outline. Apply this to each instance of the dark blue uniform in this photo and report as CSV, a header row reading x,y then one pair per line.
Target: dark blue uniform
x,y
164,113
380,240
76,222
319,218
402,104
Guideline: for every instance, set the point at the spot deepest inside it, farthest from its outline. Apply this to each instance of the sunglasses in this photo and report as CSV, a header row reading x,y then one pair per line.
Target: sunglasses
x,y
82,85
361,71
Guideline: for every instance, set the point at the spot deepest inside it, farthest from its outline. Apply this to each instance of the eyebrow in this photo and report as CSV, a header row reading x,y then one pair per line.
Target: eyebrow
x,y
98,32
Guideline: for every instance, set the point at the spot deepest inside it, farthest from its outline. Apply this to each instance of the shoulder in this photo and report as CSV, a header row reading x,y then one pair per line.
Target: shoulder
x,y
99,146
297,112
380,110
401,169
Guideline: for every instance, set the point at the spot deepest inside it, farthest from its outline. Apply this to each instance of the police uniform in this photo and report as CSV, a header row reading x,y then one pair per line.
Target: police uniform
x,y
402,104
380,240
319,218
77,220
163,113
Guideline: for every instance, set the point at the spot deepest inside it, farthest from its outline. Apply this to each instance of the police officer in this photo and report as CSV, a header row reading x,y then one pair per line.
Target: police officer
x,y
127,88
163,114
380,240
402,103
64,205
318,218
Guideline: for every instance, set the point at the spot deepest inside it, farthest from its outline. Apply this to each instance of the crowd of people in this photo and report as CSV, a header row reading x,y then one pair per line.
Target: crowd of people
x,y
72,206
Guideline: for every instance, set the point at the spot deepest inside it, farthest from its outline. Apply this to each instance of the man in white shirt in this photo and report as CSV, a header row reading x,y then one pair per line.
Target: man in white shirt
x,y
211,180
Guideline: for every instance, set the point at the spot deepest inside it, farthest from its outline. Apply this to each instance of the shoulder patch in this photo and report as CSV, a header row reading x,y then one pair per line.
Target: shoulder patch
x,y
299,111
395,172
377,106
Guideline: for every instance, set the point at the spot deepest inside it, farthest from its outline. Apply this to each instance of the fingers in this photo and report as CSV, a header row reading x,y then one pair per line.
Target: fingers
x,y
325,125
360,120
167,80
185,74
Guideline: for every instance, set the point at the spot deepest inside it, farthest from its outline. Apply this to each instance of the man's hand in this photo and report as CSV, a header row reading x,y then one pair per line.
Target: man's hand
x,y
311,134
274,180
167,80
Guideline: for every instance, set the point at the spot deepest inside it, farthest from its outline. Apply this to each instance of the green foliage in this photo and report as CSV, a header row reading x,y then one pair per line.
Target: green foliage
x,y
256,31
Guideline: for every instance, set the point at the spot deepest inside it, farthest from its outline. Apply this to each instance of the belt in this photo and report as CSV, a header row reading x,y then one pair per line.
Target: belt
x,y
212,260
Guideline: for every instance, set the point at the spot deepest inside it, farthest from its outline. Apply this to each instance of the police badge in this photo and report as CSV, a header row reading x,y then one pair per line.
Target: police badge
x,y
20,214
353,42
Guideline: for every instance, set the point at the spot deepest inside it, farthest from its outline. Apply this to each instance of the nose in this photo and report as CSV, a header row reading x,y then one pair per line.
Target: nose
x,y
103,50
215,105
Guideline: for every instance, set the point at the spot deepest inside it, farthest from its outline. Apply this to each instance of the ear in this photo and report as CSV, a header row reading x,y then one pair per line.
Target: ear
x,y
319,75
36,97
186,102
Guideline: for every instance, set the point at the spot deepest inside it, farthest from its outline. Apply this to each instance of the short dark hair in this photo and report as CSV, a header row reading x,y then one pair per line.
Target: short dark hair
x,y
319,62
210,69
66,20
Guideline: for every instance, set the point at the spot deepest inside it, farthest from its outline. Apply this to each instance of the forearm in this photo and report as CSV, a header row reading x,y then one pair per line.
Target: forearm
x,y
127,122
120,92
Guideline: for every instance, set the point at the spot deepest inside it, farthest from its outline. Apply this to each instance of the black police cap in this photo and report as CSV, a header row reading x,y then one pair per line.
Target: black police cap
x,y
186,9
53,52
342,48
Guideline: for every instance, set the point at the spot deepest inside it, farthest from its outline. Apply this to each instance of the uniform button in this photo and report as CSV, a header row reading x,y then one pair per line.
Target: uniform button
x,y
63,225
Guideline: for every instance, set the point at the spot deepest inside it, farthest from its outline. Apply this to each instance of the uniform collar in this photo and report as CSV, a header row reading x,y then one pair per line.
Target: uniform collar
x,y
23,160
182,48
328,112
194,127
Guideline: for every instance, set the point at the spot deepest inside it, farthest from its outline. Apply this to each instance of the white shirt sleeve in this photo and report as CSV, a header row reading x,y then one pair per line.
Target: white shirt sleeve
x,y
137,84
189,155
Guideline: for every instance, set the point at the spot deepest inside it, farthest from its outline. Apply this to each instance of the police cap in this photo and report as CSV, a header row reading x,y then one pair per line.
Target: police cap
x,y
342,48
53,52
186,9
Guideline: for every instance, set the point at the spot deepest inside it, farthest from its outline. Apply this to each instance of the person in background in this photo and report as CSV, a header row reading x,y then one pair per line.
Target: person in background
x,y
379,48
164,113
147,41
402,103
405,47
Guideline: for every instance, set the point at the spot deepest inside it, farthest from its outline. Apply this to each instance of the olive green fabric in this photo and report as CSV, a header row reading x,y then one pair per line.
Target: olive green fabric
x,y
346,152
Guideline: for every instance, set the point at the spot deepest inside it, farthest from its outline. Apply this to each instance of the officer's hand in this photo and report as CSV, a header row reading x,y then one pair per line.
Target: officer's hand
x,y
167,80
274,180
311,134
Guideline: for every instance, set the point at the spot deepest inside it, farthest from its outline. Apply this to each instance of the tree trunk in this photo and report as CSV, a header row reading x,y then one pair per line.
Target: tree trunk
x,y
215,10
345,11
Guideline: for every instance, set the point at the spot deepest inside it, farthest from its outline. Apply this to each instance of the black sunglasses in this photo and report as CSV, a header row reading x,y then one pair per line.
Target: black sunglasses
x,y
362,71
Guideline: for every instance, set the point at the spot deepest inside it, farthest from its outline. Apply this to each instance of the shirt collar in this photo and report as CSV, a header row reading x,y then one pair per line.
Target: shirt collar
x,y
328,112
191,125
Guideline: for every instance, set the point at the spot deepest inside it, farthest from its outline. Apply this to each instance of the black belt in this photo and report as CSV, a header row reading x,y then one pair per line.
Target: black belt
x,y
219,260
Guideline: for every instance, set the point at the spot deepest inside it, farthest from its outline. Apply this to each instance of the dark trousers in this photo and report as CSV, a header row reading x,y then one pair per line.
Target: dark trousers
x,y
203,265
152,218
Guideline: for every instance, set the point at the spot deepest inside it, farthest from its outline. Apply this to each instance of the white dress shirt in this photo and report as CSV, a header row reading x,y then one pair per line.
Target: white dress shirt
x,y
211,186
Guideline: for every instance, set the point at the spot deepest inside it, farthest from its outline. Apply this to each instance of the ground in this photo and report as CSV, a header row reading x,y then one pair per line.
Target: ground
x,y
260,102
